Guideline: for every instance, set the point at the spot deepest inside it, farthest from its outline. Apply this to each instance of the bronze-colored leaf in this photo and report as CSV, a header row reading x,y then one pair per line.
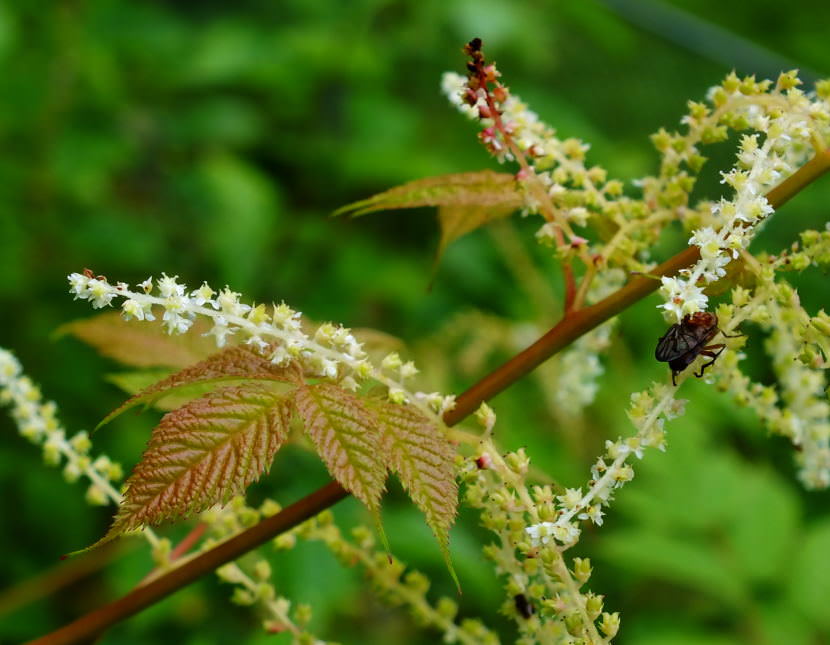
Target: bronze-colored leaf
x,y
347,439
423,459
141,345
481,188
456,221
242,362
204,453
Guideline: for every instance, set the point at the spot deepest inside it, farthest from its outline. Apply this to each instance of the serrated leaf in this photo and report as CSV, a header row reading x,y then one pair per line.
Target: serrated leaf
x,y
482,188
141,345
230,364
204,453
423,459
347,437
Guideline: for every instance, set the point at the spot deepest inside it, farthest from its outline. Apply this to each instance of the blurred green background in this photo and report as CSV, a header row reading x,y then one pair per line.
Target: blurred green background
x,y
212,140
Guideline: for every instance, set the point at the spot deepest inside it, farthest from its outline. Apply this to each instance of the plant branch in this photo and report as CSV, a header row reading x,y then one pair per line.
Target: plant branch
x,y
572,326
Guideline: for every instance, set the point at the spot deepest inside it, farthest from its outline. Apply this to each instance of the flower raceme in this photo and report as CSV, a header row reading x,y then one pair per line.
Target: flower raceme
x,y
332,353
789,126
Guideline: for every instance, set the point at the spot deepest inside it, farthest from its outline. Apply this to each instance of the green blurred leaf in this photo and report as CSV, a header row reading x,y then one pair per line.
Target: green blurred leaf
x,y
649,634
675,492
780,624
244,215
763,525
809,586
677,560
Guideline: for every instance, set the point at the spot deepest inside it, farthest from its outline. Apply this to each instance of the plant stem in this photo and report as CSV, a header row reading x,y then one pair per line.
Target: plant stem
x,y
573,325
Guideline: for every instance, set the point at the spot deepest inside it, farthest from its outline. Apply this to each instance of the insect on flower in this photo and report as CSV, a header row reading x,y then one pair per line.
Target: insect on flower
x,y
524,606
686,340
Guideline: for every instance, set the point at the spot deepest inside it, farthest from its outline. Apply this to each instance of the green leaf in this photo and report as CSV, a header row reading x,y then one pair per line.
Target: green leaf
x,y
810,570
780,624
347,438
676,560
482,188
141,345
204,453
763,525
423,459
243,208
242,362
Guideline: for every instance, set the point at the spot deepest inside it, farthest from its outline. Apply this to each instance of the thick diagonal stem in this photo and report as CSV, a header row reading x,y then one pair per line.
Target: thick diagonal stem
x,y
571,327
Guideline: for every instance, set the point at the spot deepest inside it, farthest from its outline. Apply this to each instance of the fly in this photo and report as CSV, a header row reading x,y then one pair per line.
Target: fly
x,y
686,340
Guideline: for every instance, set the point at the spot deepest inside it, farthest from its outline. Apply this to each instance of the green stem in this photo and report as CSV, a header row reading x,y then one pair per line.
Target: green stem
x,y
572,326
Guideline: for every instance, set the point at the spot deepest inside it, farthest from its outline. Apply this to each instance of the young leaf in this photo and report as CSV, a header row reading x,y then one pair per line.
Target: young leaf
x,y
482,188
459,220
204,453
141,345
230,364
347,438
423,460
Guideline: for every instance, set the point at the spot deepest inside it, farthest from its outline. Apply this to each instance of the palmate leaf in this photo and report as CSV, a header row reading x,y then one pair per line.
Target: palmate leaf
x,y
230,364
423,461
145,345
204,453
347,438
481,188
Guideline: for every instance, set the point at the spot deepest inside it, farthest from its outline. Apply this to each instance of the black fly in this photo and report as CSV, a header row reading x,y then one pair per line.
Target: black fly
x,y
686,340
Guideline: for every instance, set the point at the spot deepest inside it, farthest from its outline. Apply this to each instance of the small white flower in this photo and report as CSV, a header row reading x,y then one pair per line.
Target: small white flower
x,y
169,287
220,330
408,370
175,323
682,297
593,513
397,395
203,295
100,293
132,308
147,285
228,302
257,342
571,499
541,533
79,286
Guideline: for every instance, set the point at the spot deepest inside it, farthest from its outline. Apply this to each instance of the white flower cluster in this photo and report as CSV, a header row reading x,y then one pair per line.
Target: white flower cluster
x,y
796,407
333,352
37,422
556,163
649,411
790,123
806,417
531,559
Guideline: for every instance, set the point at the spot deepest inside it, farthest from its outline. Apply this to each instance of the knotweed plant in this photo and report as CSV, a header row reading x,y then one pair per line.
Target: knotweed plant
x,y
270,376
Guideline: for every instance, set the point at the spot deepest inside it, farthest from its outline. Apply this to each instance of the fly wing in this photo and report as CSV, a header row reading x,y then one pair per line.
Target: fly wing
x,y
676,342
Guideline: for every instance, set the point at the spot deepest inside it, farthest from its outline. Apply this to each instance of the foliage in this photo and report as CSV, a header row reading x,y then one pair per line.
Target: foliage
x,y
223,166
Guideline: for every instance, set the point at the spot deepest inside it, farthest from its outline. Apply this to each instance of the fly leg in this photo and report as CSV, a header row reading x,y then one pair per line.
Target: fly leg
x,y
738,335
709,351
